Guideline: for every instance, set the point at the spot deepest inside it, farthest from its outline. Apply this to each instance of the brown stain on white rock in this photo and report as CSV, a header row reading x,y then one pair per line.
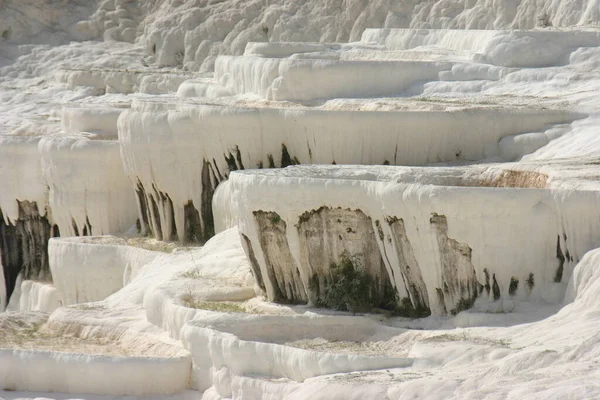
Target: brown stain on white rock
x,y
283,274
409,267
24,246
459,281
328,234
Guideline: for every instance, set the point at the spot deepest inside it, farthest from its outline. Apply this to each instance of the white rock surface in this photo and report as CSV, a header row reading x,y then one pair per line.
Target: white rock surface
x,y
121,110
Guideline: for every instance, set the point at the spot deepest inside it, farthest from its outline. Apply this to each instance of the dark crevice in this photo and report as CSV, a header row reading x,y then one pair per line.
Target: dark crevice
x,y
253,262
286,160
561,259
206,213
192,225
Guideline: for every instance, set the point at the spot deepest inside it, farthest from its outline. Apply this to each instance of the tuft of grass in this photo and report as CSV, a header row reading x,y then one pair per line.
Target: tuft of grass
x,y
88,307
192,274
464,337
219,306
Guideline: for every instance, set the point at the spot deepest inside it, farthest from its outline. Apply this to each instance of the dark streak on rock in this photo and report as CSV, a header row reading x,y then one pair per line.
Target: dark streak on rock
x,y
513,286
283,273
231,165
155,216
458,273
487,286
286,159
24,246
74,225
495,288
145,227
208,190
409,267
247,245
238,157
171,211
88,225
561,260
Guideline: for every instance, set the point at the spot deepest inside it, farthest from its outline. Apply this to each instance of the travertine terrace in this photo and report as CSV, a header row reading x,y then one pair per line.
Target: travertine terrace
x,y
180,180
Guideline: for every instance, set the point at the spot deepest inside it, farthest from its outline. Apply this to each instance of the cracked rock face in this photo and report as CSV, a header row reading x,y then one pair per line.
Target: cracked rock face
x,y
24,246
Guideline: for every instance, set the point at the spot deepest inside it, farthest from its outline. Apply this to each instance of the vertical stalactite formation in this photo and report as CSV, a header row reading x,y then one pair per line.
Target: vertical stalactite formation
x,y
157,210
24,246
459,281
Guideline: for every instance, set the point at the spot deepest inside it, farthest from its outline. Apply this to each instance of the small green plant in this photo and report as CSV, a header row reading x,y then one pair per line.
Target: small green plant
x,y
192,274
349,287
275,219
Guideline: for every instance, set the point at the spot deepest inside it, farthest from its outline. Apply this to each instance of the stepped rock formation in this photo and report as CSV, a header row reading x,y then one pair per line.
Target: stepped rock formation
x,y
185,184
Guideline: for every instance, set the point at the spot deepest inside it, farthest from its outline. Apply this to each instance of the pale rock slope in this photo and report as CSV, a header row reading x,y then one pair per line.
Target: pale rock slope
x,y
178,179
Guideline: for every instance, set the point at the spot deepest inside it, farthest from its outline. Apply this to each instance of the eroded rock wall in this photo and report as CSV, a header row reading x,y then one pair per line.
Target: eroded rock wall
x,y
195,147
24,247
442,249
327,235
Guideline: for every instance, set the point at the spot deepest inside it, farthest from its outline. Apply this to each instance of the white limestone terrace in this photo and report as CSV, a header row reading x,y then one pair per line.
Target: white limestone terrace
x,y
450,226
499,211
306,73
415,134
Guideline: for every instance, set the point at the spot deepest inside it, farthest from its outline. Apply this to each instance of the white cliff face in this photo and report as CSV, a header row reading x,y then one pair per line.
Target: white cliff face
x,y
88,191
440,243
466,185
261,137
